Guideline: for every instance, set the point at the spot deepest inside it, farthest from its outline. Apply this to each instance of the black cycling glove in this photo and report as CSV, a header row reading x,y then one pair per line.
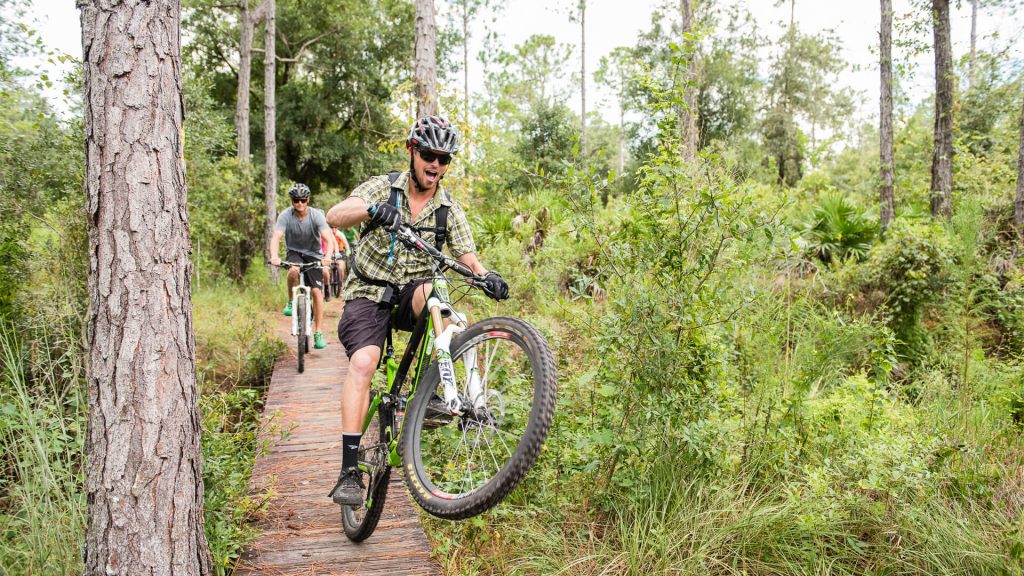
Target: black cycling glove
x,y
495,286
385,215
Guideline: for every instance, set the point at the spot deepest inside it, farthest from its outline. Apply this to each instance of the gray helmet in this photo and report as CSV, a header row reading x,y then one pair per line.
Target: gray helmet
x,y
298,191
434,133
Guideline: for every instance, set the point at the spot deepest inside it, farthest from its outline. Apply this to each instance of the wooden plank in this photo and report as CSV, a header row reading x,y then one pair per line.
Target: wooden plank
x,y
301,532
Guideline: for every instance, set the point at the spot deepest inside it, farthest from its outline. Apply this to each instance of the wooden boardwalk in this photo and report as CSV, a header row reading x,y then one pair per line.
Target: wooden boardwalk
x,y
301,533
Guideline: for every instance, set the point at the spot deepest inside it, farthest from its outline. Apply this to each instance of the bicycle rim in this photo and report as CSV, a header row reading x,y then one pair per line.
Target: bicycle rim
x,y
465,466
360,522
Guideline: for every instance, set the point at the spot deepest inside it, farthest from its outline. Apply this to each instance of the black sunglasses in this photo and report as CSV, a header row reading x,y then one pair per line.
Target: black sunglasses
x,y
429,156
300,200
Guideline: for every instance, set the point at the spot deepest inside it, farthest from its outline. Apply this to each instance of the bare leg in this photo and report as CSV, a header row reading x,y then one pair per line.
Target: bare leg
x,y
293,281
419,298
355,392
318,308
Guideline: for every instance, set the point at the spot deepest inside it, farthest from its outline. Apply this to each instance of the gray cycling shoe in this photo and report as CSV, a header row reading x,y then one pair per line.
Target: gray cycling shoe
x,y
350,490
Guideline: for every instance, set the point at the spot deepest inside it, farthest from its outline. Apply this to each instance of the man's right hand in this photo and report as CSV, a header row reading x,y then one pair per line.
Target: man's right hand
x,y
275,261
385,215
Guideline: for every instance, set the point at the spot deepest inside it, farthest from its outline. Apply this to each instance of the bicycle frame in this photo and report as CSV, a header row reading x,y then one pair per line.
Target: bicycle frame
x,y
301,288
421,347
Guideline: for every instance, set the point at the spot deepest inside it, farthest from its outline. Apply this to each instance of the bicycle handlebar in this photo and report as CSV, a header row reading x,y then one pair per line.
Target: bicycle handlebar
x,y
406,236
301,265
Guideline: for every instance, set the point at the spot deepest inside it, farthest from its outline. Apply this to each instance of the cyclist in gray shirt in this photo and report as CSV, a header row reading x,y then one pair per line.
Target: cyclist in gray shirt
x,y
306,234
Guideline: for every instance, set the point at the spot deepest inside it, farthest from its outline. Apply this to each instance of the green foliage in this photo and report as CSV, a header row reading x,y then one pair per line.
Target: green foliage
x,y
836,230
341,66
42,447
545,145
802,89
912,268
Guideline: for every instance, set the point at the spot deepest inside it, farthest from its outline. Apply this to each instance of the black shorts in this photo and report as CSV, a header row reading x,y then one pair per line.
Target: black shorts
x,y
366,323
314,276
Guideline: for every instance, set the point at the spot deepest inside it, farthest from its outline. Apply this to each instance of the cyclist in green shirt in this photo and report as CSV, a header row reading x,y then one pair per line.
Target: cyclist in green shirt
x,y
386,274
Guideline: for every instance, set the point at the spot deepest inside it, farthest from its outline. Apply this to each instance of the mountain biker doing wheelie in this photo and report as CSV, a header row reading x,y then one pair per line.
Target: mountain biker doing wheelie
x,y
385,273
303,229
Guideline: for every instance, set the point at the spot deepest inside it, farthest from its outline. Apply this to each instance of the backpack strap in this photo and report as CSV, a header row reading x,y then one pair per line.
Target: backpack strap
x,y
441,224
440,216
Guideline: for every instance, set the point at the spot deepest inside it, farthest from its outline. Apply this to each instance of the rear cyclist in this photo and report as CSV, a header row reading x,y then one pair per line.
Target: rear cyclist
x,y
304,229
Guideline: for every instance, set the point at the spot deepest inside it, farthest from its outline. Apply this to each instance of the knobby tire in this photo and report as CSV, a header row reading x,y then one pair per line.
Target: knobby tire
x,y
300,310
523,343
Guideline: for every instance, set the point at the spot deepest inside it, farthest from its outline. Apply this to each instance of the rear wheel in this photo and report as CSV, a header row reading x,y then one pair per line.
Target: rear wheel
x,y
463,467
360,522
303,343
336,279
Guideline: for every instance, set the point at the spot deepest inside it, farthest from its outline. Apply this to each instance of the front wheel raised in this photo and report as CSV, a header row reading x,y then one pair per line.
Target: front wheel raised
x,y
460,466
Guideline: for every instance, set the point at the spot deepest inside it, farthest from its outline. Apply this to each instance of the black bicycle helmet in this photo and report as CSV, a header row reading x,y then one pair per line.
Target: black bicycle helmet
x,y
298,191
434,133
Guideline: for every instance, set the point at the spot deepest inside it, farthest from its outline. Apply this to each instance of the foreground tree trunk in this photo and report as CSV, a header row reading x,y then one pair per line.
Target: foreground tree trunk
x,y
688,115
270,126
143,482
885,193
942,155
426,59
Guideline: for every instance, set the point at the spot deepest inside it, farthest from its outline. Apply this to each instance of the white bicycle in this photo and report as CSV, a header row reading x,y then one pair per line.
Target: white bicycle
x,y
302,309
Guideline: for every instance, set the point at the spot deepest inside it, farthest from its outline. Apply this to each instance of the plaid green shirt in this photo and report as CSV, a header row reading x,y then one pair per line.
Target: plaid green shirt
x,y
372,252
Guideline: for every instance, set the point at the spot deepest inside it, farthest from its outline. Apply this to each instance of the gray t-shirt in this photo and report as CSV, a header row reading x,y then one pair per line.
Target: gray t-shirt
x,y
303,236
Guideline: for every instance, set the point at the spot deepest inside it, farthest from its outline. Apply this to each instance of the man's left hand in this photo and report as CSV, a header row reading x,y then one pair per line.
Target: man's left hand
x,y
495,286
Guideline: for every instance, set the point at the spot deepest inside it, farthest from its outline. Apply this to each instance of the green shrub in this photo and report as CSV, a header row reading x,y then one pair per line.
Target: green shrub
x,y
912,268
836,230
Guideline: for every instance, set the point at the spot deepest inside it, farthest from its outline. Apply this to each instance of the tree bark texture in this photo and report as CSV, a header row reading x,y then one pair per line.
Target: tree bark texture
x,y
426,59
974,41
885,193
143,481
465,56
583,78
246,23
942,155
1018,203
270,125
688,114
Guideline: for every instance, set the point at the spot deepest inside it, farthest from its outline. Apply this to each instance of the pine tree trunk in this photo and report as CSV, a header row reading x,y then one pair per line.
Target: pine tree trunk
x,y
583,79
144,489
942,156
974,40
886,195
465,79
1018,203
688,114
426,59
270,126
246,24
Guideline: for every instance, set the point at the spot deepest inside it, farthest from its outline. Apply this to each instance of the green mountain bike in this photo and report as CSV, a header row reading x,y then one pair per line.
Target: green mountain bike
x,y
478,407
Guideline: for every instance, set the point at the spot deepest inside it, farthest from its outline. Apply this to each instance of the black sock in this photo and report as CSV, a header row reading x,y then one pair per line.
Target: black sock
x,y
350,450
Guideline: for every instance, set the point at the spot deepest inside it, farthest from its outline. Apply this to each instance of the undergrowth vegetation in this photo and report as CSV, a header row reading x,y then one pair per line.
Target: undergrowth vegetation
x,y
755,380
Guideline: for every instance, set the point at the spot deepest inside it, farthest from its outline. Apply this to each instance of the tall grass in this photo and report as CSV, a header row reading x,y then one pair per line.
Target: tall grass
x,y
681,520
42,431
43,424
